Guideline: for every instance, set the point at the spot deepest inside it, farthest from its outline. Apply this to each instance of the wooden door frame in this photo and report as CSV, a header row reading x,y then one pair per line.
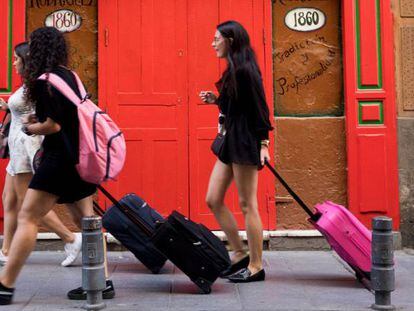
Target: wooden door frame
x,y
269,89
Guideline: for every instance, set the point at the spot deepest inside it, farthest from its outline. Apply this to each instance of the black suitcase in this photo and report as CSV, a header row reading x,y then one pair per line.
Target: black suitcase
x,y
193,248
122,227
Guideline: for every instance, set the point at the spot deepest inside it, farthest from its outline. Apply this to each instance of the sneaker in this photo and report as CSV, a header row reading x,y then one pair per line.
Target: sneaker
x,y
72,250
80,294
3,258
6,295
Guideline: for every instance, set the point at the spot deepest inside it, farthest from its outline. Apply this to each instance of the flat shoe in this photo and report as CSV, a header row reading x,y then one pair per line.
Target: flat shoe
x,y
80,294
237,266
246,276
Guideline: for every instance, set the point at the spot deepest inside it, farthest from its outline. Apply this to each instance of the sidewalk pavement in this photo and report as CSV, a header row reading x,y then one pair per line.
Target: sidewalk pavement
x,y
296,280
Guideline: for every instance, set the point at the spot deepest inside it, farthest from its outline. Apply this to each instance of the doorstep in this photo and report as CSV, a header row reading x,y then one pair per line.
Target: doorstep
x,y
277,240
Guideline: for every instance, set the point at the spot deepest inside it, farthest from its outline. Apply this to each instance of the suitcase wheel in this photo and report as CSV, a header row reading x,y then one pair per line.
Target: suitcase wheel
x,y
360,274
206,290
155,270
204,285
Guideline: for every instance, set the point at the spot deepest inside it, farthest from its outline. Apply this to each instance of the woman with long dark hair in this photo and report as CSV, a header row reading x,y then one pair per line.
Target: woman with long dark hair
x,y
56,180
241,147
22,149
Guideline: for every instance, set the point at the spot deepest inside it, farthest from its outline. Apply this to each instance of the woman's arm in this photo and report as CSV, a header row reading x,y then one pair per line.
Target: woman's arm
x,y
6,120
43,128
3,104
252,97
208,97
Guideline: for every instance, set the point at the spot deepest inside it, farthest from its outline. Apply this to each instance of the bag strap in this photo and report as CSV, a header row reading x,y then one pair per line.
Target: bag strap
x,y
313,216
143,226
62,87
81,87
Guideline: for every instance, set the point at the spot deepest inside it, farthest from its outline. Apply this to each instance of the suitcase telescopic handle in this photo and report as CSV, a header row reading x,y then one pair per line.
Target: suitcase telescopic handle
x,y
313,216
144,227
98,210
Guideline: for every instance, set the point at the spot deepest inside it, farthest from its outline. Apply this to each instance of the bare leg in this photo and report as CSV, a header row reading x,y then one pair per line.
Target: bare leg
x,y
76,215
84,208
220,180
246,177
11,209
51,219
36,204
54,224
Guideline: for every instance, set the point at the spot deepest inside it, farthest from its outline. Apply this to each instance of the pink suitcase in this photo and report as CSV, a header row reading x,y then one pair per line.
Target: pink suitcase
x,y
344,232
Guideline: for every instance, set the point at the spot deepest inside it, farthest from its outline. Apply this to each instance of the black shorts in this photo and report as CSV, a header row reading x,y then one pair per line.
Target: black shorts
x,y
57,175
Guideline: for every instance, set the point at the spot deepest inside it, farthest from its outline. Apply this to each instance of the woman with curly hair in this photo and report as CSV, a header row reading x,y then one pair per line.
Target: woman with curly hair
x,y
241,147
19,170
56,180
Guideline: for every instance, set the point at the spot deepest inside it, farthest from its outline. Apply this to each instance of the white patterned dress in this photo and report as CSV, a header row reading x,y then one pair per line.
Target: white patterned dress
x,y
22,147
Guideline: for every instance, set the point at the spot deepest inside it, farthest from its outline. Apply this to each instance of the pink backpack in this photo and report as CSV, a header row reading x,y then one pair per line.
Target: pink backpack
x,y
102,148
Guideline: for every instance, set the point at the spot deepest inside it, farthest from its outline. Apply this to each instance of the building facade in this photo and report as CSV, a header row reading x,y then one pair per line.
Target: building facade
x,y
328,69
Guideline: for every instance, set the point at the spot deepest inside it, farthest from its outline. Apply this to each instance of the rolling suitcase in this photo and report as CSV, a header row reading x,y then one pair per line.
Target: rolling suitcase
x,y
193,248
121,225
347,236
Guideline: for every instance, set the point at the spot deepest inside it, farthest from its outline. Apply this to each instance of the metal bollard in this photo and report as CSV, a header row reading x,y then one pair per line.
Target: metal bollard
x,y
382,268
93,269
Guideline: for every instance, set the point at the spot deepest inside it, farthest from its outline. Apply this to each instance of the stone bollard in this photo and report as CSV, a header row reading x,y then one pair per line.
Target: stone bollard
x,y
382,268
93,269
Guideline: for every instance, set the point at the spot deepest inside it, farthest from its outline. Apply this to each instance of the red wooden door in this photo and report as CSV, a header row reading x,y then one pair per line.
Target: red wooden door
x,y
204,70
143,86
154,58
370,109
12,24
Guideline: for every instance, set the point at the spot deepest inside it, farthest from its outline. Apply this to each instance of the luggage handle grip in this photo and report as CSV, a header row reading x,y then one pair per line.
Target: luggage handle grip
x,y
314,217
123,209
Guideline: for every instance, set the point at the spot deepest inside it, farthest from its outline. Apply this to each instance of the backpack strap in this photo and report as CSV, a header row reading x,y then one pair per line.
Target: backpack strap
x,y
62,87
81,87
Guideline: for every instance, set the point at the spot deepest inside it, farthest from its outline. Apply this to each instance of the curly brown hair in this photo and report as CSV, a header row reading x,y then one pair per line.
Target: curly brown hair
x,y
48,50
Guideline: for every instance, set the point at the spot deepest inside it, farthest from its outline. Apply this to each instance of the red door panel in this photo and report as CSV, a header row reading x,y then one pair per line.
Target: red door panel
x,y
154,58
370,109
142,47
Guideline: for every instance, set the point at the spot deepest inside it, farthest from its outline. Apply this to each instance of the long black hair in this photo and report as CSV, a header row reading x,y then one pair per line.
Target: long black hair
x,y
240,55
22,51
47,51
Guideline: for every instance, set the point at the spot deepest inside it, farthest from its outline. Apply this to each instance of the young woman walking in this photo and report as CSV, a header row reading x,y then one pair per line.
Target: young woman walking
x,y
56,180
19,171
241,147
